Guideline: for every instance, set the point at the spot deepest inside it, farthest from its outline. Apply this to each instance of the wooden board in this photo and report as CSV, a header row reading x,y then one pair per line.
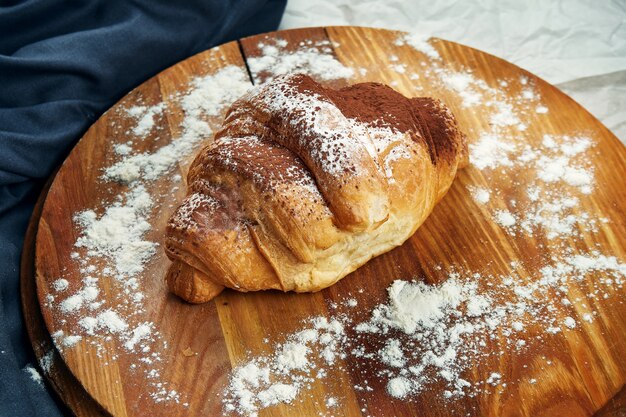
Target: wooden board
x,y
591,366
59,377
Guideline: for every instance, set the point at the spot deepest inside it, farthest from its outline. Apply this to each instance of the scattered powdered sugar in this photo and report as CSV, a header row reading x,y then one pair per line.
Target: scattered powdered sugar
x,y
505,218
145,118
33,374
425,314
211,94
426,335
119,233
429,334
569,322
142,332
60,285
505,116
111,321
480,195
123,148
46,361
552,177
551,173
411,306
313,58
463,83
294,365
71,340
419,42
399,387
392,354
207,98
559,169
331,402
76,301
490,151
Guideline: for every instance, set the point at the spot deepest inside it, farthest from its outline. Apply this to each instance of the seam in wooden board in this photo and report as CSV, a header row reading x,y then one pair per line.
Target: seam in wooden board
x,y
245,61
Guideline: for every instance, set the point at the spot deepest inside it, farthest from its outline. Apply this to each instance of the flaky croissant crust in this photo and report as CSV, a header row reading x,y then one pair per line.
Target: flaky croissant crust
x,y
303,184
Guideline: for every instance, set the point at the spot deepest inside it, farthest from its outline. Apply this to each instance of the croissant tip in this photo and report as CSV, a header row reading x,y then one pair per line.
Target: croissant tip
x,y
190,284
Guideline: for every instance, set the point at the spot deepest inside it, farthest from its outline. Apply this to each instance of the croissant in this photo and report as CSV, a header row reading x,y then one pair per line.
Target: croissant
x,y
304,184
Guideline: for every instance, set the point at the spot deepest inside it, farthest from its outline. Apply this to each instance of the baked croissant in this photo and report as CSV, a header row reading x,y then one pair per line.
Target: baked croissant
x,y
304,184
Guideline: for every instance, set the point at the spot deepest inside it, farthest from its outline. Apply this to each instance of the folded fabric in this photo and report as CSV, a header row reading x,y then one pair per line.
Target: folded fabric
x,y
62,64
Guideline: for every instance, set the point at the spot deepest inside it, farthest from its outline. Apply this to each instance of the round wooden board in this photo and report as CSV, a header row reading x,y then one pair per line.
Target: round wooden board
x,y
589,363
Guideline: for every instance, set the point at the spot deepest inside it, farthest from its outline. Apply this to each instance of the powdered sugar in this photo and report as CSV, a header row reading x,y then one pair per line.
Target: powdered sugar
x,y
33,374
480,195
505,116
505,218
411,306
399,387
464,84
88,293
430,334
280,377
552,172
119,233
145,118
559,169
313,58
111,321
491,151
207,98
60,285
420,43
569,322
555,175
70,341
142,332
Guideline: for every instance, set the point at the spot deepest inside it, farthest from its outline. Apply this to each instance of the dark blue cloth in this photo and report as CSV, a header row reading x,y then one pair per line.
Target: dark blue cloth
x,y
62,64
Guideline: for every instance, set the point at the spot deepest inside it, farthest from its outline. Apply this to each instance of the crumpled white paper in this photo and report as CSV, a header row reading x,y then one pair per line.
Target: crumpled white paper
x,y
579,46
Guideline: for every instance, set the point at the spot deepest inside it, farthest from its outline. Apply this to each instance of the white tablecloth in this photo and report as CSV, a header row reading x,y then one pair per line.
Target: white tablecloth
x,y
579,46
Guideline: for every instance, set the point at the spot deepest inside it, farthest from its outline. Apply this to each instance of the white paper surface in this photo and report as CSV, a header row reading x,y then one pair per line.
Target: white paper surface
x,y
579,46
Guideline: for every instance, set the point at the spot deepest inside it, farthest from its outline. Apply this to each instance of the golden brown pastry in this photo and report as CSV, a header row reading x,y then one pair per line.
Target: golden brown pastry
x,y
303,184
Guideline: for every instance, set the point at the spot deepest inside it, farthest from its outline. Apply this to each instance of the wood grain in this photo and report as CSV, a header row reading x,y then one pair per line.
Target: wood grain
x,y
57,374
589,365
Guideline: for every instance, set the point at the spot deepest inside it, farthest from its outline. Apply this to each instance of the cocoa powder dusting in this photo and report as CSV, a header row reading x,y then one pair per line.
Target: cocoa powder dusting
x,y
438,127
378,105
